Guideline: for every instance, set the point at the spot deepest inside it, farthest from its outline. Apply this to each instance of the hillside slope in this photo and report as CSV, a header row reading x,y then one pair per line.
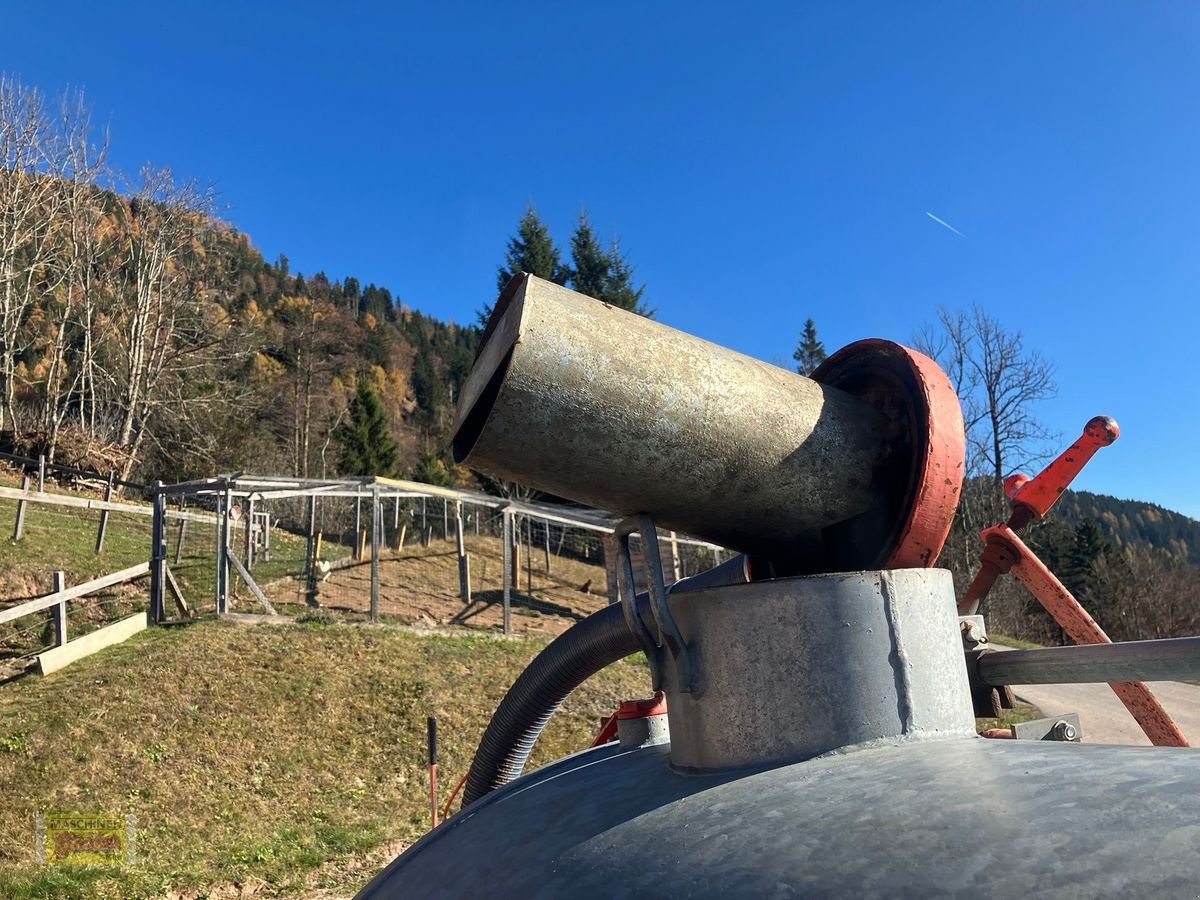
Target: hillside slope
x,y
268,758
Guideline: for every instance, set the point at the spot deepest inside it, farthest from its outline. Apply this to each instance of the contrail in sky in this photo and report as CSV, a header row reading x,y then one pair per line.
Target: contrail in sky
x,y
945,224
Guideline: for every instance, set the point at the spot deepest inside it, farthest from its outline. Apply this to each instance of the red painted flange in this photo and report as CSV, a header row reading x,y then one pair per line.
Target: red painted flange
x,y
921,481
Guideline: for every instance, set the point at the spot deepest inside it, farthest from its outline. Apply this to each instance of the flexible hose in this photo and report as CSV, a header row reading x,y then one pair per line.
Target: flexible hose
x,y
572,658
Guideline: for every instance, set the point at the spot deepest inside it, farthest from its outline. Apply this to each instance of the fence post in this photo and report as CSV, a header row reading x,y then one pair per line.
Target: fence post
x,y
41,473
674,544
445,519
248,556
310,559
507,565
514,534
396,521
158,556
220,516
358,526
546,535
20,525
529,555
611,576
179,540
376,528
422,520
108,489
223,554
58,614
464,561
266,535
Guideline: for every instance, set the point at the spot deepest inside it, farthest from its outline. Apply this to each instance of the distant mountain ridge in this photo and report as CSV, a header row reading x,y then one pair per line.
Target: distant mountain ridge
x,y
1133,522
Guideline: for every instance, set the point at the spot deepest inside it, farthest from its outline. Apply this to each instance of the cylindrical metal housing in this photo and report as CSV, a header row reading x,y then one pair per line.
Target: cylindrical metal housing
x,y
586,401
796,667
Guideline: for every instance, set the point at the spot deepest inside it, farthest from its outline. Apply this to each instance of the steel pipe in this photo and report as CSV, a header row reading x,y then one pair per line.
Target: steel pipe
x,y
596,404
1164,660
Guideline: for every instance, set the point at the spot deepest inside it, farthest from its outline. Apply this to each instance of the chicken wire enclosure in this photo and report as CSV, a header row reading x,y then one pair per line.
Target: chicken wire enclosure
x,y
385,550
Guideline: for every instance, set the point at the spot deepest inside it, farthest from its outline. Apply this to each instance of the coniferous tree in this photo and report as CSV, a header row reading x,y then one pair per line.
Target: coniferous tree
x,y
589,262
605,275
810,352
530,250
367,444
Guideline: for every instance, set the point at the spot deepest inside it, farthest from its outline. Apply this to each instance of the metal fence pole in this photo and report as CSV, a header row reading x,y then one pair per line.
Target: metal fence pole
x,y
158,556
223,554
41,473
546,535
219,552
445,519
508,568
358,527
248,556
310,562
376,528
464,561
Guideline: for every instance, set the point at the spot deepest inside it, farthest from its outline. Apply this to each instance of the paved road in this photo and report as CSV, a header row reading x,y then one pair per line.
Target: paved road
x,y
1104,718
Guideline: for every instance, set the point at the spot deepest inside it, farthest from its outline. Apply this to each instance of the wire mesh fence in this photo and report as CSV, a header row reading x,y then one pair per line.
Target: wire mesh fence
x,y
380,550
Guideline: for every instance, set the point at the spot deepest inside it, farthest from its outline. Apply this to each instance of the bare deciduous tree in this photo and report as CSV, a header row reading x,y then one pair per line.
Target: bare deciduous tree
x,y
999,383
30,201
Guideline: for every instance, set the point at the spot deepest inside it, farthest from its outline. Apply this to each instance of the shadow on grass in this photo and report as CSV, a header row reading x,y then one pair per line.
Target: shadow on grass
x,y
483,600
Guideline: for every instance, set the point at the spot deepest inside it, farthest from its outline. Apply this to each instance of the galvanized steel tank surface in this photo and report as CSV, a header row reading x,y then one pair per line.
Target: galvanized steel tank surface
x,y
958,817
611,409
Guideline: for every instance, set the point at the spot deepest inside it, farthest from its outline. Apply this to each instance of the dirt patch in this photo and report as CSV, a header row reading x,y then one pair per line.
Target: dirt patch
x,y
421,587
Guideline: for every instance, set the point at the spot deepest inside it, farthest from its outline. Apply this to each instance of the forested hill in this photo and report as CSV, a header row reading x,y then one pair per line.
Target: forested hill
x,y
1131,523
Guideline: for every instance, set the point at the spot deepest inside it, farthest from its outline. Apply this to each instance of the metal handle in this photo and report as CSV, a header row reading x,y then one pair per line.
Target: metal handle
x,y
666,631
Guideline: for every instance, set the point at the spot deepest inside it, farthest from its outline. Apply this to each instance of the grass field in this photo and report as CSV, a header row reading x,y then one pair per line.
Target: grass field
x,y
268,759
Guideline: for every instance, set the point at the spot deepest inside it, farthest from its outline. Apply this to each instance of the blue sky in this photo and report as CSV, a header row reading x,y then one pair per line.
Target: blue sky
x,y
762,163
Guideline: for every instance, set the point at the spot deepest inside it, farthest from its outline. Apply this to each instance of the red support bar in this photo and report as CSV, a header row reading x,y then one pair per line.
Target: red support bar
x,y
1083,629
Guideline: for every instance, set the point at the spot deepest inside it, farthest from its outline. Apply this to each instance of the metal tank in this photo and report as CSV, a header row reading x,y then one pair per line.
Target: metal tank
x,y
819,735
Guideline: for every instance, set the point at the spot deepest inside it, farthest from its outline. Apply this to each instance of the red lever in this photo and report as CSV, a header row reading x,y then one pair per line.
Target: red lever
x,y
1038,495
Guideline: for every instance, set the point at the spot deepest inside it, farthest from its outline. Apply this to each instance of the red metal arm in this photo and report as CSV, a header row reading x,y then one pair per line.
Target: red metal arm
x,y
1004,551
1039,494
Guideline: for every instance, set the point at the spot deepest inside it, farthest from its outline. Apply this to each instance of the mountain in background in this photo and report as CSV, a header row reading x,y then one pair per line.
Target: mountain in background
x,y
1132,523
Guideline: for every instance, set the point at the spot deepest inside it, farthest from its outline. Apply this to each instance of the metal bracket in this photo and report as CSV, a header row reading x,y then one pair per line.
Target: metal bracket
x,y
666,632
1056,728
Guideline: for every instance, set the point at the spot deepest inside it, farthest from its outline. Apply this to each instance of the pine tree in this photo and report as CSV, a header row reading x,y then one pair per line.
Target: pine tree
x,y
589,262
620,291
810,352
367,444
530,250
607,276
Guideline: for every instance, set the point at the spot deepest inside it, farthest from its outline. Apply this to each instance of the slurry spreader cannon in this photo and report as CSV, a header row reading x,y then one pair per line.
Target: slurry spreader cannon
x,y
812,729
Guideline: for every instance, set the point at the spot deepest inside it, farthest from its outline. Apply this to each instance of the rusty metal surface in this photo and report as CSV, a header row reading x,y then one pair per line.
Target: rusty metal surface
x,y
610,409
919,482
1083,629
795,667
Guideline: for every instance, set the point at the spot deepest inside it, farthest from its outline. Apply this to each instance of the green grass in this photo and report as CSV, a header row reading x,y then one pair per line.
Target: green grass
x,y
278,757
1021,712
1015,643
